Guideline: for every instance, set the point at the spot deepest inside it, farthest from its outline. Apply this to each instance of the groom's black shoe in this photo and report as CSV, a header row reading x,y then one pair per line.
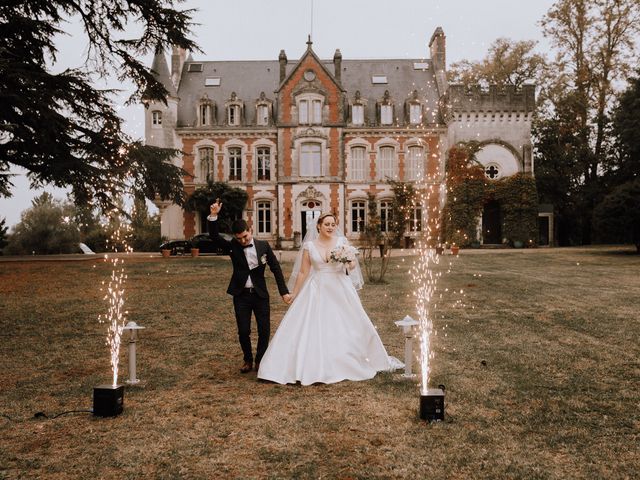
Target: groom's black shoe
x,y
256,367
247,367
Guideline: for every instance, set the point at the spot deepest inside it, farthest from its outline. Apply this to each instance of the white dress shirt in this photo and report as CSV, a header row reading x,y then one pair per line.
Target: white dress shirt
x,y
250,254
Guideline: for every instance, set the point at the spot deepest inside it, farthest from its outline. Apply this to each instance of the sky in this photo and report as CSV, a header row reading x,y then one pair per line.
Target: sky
x,y
361,29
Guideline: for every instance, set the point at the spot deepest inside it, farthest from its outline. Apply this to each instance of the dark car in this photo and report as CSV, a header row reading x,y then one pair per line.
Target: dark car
x,y
201,241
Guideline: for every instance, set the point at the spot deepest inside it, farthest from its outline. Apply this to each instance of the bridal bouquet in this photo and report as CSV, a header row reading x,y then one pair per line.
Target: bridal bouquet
x,y
343,254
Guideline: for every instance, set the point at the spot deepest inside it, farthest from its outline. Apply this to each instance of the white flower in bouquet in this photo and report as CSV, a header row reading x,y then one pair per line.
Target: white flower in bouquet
x,y
343,254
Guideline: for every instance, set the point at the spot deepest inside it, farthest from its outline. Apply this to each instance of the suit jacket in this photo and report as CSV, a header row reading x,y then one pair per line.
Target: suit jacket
x,y
241,269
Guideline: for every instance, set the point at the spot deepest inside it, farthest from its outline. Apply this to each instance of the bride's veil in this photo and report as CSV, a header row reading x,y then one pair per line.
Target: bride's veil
x,y
312,234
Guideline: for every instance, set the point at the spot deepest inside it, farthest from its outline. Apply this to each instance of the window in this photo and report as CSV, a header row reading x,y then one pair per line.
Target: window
x,y
233,115
310,112
379,79
316,118
205,155
264,217
415,163
212,82
264,163
235,163
357,114
386,163
492,171
310,160
303,112
415,114
262,115
415,222
386,114
358,162
386,209
357,216
156,118
205,114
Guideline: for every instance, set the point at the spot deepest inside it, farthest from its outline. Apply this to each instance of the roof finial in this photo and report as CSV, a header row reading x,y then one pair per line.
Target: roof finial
x,y
309,43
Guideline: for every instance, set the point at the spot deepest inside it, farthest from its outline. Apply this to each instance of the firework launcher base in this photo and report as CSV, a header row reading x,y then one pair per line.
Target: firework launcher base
x,y
108,400
432,405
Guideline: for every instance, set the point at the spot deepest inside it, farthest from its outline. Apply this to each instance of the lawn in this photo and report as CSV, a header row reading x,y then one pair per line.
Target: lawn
x,y
538,350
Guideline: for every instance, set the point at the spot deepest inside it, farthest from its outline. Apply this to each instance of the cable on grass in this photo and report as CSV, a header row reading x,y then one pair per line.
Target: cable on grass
x,y
44,415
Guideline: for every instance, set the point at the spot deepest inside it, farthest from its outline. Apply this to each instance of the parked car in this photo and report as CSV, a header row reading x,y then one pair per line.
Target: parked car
x,y
202,241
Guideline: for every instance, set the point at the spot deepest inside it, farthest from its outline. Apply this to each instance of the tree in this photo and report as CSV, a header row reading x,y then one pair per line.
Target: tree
x,y
46,227
507,62
375,240
3,234
626,125
595,42
145,228
617,217
61,128
234,202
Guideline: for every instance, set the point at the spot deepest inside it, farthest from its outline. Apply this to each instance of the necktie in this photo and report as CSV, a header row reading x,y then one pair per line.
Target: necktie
x,y
248,246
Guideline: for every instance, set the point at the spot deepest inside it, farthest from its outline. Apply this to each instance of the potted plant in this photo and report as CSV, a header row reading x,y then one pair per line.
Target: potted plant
x,y
166,253
195,252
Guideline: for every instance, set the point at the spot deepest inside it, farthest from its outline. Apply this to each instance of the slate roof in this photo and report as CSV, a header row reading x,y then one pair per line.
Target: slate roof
x,y
249,78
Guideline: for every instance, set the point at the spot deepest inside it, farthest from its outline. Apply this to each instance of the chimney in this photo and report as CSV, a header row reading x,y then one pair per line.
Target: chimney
x,y
282,58
337,64
178,56
437,49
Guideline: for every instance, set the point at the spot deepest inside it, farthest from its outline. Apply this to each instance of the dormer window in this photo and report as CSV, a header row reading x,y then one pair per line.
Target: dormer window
x,y
156,118
386,114
385,109
310,110
263,110
206,113
357,114
233,115
234,108
415,114
413,108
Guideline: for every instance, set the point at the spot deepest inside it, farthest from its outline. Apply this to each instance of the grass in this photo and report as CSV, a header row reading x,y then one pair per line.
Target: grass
x,y
539,355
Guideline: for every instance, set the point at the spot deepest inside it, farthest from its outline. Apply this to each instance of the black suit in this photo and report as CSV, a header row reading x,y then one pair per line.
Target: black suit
x,y
257,301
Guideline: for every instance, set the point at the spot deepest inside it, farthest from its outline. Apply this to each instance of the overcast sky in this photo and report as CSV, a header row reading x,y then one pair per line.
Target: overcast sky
x,y
259,29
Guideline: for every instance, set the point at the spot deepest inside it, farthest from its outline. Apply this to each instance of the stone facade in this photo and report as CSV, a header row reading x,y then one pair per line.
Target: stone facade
x,y
312,135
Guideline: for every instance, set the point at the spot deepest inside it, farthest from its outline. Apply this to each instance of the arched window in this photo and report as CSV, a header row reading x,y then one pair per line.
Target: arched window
x,y
415,163
263,156
310,160
386,214
205,154
263,211
235,164
357,164
358,215
415,222
387,163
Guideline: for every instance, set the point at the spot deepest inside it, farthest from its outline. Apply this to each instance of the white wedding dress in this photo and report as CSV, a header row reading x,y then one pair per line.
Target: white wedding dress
x,y
325,336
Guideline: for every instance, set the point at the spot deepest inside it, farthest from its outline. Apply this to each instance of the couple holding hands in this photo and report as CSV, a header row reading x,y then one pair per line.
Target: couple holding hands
x,y
325,335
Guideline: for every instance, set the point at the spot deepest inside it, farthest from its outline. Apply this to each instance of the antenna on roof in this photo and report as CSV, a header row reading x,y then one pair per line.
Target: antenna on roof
x,y
311,25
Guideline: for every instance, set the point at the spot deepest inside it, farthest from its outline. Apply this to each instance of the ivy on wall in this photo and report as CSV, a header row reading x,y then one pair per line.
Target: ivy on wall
x,y
468,192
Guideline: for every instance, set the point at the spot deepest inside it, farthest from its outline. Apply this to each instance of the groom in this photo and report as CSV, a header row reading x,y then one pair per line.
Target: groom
x,y
247,286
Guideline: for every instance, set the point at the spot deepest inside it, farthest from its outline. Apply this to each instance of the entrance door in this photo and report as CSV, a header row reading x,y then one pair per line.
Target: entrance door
x,y
543,231
308,216
491,226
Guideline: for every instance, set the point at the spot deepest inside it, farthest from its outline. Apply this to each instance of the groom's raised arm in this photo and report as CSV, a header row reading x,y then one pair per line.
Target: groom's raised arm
x,y
214,227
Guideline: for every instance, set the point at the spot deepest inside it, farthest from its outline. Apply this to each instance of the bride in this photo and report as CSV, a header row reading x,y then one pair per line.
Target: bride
x,y
325,336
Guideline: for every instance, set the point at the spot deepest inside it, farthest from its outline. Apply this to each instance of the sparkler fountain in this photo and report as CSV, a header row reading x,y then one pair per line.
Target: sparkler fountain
x,y
108,399
425,277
